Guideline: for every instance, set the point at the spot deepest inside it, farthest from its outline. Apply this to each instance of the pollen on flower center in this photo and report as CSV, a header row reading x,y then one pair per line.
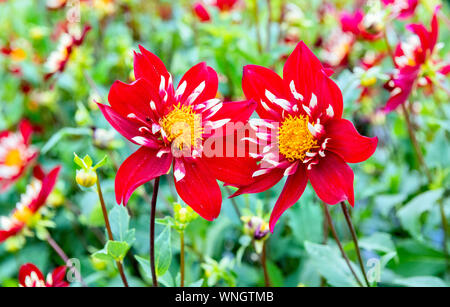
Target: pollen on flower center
x,y
294,137
24,214
13,158
183,127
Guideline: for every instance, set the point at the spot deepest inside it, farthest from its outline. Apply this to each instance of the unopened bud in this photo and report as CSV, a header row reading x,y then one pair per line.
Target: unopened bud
x,y
86,178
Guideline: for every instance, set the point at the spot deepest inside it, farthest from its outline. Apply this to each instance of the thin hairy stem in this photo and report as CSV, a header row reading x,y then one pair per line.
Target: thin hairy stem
x,y
152,232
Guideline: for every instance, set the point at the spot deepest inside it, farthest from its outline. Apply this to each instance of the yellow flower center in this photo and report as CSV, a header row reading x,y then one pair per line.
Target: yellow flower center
x,y
13,158
23,214
294,137
183,127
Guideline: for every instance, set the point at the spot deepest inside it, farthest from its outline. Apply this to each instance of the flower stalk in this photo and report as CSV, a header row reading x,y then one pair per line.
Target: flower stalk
x,y
182,258
355,241
64,257
110,235
338,242
152,231
264,265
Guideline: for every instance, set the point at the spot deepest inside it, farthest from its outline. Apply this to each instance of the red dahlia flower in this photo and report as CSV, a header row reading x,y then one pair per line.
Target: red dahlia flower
x,y
30,276
171,126
401,8
301,121
16,154
414,62
30,202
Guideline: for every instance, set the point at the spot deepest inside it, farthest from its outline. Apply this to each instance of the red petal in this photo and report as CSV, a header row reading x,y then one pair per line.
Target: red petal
x,y
134,98
332,179
199,189
310,77
26,130
193,78
48,183
232,171
58,276
139,168
261,183
150,67
348,143
129,129
26,270
255,82
293,189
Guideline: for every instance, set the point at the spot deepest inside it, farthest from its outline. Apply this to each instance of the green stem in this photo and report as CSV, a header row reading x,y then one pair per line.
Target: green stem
x,y
355,241
152,232
264,265
182,258
338,242
108,229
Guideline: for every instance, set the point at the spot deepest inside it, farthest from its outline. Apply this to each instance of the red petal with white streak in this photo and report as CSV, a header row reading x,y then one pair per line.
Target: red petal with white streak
x,y
293,189
255,82
26,270
150,67
202,78
310,77
348,143
139,168
332,179
199,189
261,183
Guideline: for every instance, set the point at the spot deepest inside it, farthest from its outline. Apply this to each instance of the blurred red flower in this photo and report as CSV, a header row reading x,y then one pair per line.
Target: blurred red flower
x,y
360,25
30,202
412,60
170,126
16,154
301,121
30,276
225,5
401,8
201,12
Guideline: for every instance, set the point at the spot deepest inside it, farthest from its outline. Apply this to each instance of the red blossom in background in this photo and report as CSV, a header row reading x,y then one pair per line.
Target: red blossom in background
x,y
411,59
151,113
401,8
16,154
301,120
30,202
201,12
360,25
225,5
30,276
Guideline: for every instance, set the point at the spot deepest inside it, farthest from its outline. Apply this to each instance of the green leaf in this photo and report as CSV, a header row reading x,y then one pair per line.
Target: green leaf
x,y
78,161
101,163
120,221
88,161
420,281
145,265
379,241
117,250
163,252
329,263
411,213
306,220
113,250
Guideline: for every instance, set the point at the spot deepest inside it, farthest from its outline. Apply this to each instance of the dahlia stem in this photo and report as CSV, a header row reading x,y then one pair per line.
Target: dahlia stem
x,y
324,242
64,257
182,258
233,202
152,232
264,265
338,242
355,241
108,229
415,144
425,168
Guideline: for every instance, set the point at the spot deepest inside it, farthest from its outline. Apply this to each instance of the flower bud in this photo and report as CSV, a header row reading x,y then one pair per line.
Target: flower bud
x,y
86,178
255,227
